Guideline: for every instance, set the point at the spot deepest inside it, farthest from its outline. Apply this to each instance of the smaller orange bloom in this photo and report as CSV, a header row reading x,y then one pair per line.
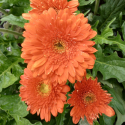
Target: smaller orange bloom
x,y
89,99
40,5
42,97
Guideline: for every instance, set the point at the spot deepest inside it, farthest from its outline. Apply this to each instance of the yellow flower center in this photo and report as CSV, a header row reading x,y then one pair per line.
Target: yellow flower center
x,y
44,89
59,46
89,98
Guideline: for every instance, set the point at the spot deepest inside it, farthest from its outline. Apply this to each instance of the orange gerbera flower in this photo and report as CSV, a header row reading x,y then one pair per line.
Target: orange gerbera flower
x,y
58,45
89,100
41,96
40,5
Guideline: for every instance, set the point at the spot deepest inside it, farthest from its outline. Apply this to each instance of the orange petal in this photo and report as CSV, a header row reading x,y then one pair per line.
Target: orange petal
x,y
75,63
26,16
79,57
73,111
109,111
63,97
60,104
42,113
76,119
54,110
47,115
71,69
39,62
80,71
65,88
71,79
48,71
60,70
60,110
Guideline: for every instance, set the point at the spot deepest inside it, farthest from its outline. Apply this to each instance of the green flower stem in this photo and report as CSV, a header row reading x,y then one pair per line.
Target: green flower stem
x,y
10,31
3,11
96,6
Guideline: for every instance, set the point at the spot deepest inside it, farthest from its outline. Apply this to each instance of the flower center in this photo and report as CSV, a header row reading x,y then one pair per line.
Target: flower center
x,y
89,98
59,46
44,89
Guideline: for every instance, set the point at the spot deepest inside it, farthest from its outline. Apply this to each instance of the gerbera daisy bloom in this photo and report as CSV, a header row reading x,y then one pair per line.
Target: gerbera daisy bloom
x,y
59,45
89,99
41,96
40,5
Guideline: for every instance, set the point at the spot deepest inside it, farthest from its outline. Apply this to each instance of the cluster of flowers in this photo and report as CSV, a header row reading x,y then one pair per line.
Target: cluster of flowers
x,y
57,48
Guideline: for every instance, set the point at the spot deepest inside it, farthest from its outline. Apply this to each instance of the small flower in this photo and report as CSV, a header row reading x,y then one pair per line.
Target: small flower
x,y
40,5
58,46
89,99
42,97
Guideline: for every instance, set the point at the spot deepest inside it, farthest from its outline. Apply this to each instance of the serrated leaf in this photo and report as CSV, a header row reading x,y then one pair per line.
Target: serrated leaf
x,y
109,10
15,20
105,120
9,71
110,66
61,117
13,105
106,33
85,2
24,121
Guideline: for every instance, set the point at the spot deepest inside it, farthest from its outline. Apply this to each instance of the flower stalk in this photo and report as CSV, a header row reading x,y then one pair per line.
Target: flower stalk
x,y
10,31
96,6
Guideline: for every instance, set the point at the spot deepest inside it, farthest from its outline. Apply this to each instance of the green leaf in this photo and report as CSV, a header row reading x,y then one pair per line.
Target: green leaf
x,y
85,2
109,10
6,119
61,117
83,122
69,121
117,102
13,105
94,26
77,12
51,122
105,120
96,122
110,66
17,11
120,118
15,20
16,2
9,71
3,117
106,33
12,122
24,121
123,30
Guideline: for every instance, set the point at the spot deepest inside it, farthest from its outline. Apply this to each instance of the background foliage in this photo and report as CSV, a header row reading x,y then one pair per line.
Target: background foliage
x,y
108,19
